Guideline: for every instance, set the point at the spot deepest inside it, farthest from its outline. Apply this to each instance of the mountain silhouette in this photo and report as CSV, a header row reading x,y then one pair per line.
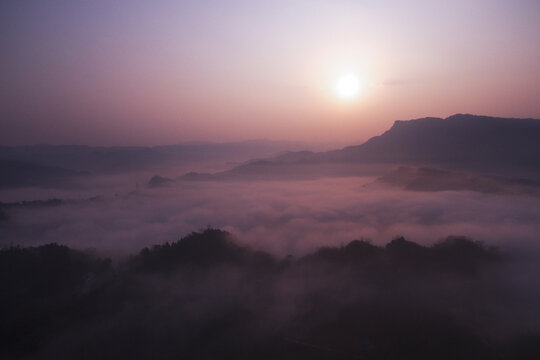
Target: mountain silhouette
x,y
206,296
437,179
21,174
461,139
471,142
114,159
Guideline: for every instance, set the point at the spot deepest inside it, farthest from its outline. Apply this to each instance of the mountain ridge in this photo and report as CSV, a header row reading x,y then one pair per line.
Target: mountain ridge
x,y
110,159
428,132
472,142
460,138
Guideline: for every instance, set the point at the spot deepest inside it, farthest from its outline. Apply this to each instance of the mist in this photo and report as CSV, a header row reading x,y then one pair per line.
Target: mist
x,y
270,180
207,296
282,217
347,261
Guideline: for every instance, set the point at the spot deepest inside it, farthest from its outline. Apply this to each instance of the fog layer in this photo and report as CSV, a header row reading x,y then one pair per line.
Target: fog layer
x,y
277,216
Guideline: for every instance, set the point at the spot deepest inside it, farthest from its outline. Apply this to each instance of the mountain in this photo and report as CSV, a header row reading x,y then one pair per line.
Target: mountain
x,y
435,179
159,181
461,139
114,159
471,142
22,174
206,296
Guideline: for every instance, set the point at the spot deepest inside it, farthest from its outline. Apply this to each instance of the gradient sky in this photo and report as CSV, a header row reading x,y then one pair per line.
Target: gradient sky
x,y
160,72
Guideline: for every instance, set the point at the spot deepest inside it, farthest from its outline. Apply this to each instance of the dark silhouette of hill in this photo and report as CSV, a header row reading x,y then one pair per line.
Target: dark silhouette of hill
x,y
461,139
207,297
45,290
4,217
464,141
32,203
114,159
210,248
23,174
159,181
284,169
438,179
455,254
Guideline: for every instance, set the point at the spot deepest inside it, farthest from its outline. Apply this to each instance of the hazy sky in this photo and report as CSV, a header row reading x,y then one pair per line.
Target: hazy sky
x,y
158,72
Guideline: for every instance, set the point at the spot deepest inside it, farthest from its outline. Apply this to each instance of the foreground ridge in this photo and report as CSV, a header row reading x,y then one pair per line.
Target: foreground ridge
x,y
207,296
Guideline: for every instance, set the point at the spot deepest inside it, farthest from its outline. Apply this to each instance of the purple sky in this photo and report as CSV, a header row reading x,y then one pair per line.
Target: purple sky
x,y
157,72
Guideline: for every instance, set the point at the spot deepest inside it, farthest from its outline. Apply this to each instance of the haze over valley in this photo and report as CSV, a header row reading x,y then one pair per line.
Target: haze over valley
x,y
270,179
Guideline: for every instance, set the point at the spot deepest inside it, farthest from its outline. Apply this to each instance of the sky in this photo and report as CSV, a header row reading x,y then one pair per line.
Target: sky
x,y
132,72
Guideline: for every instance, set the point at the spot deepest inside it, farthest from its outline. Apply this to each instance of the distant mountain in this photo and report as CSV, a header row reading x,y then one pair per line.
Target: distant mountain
x,y
159,181
432,179
464,141
460,139
22,174
100,159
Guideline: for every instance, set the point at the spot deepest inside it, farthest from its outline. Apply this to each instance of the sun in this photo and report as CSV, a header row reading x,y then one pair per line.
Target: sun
x,y
348,86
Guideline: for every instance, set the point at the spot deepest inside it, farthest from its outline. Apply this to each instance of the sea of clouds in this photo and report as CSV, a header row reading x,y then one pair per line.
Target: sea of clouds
x,y
282,217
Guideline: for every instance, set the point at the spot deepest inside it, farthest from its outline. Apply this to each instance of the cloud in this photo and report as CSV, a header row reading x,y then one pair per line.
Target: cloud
x,y
277,216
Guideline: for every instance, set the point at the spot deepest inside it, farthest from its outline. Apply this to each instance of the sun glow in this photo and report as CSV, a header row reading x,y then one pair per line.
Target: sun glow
x,y
348,86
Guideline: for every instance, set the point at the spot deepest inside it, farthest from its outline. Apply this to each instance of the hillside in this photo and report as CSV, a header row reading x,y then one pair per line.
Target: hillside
x,y
471,142
460,139
22,174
